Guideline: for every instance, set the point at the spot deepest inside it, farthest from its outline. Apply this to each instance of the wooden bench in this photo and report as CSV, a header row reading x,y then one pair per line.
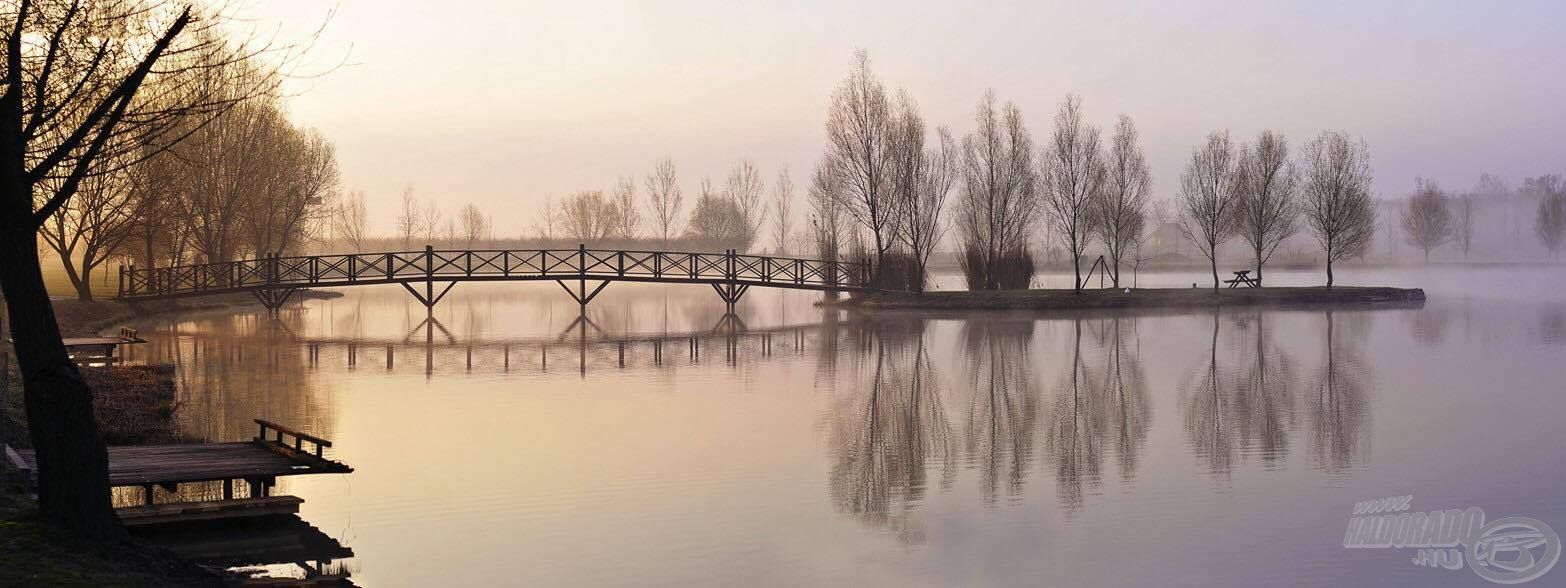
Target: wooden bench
x,y
179,512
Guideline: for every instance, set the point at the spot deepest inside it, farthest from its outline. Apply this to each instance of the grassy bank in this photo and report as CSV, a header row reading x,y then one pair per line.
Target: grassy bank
x,y
1151,298
32,553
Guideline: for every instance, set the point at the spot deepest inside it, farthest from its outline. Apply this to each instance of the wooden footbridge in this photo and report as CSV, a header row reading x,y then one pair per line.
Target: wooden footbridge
x,y
274,279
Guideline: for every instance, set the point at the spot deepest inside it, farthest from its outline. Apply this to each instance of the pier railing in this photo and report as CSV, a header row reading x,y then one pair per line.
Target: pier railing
x,y
492,264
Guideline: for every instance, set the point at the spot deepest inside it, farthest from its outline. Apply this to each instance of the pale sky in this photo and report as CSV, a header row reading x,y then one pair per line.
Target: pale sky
x,y
505,103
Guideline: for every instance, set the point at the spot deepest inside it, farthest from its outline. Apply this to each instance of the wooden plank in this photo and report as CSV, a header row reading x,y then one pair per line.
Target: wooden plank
x,y
177,512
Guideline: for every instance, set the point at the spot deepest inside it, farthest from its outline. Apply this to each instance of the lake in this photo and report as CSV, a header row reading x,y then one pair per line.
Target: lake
x,y
508,443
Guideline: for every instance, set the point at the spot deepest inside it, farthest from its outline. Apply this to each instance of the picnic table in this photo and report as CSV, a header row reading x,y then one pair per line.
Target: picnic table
x,y
1243,277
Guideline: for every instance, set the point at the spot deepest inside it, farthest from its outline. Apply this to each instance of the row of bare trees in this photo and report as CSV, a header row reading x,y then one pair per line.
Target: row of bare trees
x,y
417,223
732,216
243,182
1432,217
1257,192
878,172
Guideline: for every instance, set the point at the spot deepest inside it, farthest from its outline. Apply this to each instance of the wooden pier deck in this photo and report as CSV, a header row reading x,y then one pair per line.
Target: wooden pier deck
x,y
258,463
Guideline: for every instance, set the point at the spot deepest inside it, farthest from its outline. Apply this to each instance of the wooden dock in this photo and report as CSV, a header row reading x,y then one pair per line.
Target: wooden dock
x,y
82,348
276,451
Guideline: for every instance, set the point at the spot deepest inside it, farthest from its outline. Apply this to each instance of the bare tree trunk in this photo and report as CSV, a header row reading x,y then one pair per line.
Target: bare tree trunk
x,y
1214,261
1076,264
75,497
1258,266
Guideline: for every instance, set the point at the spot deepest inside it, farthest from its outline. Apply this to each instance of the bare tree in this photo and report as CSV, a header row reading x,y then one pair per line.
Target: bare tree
x,y
858,128
1463,230
999,200
587,216
718,220
1268,209
76,77
827,218
296,180
1549,221
627,220
1335,183
922,178
1120,205
472,225
664,199
408,221
1209,196
351,220
1427,220
548,218
745,188
93,224
782,210
1073,172
430,220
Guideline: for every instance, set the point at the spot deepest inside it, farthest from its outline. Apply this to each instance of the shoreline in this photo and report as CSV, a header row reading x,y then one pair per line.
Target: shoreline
x,y
86,318
1146,298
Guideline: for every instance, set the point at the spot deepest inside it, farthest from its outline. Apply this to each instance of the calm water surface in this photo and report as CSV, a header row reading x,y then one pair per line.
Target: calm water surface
x,y
505,444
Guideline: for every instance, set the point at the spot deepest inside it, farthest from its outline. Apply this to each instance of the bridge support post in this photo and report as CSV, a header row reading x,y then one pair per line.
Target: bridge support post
x,y
580,294
731,294
429,298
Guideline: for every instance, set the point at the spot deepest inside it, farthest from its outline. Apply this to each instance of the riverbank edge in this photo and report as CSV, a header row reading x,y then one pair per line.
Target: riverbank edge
x,y
1314,297
81,318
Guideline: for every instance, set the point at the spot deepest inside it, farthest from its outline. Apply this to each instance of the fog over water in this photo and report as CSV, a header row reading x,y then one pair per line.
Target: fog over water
x,y
507,443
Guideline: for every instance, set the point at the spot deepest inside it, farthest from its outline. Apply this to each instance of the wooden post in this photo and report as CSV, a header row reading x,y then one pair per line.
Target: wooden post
x,y
122,280
581,276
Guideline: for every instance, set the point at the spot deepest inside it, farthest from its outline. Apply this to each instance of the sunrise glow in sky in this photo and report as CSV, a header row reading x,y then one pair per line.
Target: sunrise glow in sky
x,y
505,103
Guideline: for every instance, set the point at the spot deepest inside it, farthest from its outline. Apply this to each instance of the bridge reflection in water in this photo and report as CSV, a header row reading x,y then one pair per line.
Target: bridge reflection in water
x,y
583,341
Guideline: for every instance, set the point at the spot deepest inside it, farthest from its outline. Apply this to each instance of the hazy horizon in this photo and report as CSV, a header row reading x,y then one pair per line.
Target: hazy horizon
x,y
523,101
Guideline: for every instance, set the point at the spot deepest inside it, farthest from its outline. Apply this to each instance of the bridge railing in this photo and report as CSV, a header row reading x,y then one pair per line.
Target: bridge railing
x,y
433,264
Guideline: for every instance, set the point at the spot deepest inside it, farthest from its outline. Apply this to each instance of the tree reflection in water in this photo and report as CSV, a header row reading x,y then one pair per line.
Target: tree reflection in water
x,y
1003,412
1339,403
887,432
1096,414
1264,401
1208,408
1128,398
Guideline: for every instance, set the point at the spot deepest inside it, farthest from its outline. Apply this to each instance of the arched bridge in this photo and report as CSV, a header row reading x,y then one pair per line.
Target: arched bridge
x,y
274,279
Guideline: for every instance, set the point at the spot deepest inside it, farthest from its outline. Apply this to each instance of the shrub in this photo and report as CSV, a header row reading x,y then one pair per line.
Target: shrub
x,y
1010,271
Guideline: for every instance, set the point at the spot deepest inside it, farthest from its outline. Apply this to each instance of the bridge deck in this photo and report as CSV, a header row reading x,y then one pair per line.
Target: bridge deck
x,y
432,265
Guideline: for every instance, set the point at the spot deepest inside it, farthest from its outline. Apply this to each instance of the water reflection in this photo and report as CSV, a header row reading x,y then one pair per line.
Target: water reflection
x,y
1264,401
1003,407
1552,323
696,450
1339,403
1208,406
889,431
